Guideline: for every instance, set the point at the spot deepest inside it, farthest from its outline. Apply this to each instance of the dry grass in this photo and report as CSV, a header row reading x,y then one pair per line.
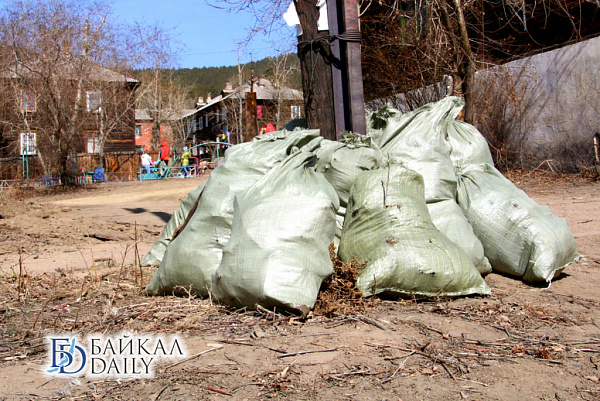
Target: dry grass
x,y
420,345
112,298
339,293
545,177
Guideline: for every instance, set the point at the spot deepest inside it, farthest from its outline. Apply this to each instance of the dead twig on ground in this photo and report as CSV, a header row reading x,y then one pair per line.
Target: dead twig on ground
x,y
307,352
217,390
374,322
189,358
398,369
236,342
360,372
161,392
233,390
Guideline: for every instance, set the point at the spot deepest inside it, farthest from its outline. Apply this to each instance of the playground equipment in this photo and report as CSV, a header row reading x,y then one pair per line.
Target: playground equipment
x,y
175,169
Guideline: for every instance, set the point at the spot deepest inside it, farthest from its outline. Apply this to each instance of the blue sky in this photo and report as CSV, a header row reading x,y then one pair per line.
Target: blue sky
x,y
208,34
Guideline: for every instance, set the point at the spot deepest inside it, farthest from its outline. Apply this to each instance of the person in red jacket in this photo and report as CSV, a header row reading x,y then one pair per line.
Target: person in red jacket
x,y
163,157
164,152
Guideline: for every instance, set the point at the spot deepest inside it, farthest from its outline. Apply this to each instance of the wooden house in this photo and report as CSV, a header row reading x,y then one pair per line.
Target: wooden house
x,y
225,113
50,113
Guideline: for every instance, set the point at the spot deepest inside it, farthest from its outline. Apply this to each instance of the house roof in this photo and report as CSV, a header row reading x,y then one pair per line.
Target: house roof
x,y
213,101
106,74
144,114
67,68
265,90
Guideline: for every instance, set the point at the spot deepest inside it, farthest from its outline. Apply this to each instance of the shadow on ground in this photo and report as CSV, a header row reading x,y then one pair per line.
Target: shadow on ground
x,y
162,215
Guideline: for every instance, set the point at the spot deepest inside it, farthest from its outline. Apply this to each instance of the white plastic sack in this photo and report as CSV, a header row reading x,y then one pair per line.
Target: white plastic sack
x,y
388,226
278,254
520,237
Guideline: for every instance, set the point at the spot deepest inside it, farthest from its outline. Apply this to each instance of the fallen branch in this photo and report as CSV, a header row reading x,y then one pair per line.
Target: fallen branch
x,y
388,346
540,165
399,357
374,322
236,342
192,357
100,237
360,372
448,370
307,352
435,358
247,384
160,392
389,379
216,390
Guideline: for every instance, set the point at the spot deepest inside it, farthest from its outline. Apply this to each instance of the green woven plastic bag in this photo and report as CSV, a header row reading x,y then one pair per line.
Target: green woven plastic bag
x,y
156,253
341,162
192,257
419,141
520,237
278,254
388,226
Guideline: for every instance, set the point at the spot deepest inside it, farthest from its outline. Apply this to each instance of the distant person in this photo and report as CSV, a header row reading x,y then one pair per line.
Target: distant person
x,y
164,152
147,162
163,157
263,129
185,161
270,128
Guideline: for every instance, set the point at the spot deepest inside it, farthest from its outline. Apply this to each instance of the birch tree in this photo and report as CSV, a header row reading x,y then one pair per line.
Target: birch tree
x,y
72,58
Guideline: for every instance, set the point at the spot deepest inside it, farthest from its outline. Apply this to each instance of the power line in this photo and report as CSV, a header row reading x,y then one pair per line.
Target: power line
x,y
224,52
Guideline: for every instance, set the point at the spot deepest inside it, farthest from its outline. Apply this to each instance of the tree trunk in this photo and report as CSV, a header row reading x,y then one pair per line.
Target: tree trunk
x,y
468,68
316,73
155,142
251,118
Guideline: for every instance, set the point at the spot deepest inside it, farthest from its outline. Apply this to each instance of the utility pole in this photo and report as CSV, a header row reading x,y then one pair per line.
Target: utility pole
x,y
331,68
355,98
313,52
337,68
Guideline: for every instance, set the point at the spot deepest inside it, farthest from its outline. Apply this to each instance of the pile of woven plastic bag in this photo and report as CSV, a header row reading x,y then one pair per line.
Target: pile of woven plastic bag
x,y
417,201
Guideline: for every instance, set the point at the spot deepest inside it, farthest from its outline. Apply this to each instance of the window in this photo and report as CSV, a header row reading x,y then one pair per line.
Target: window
x,y
93,143
296,112
138,131
200,123
93,101
224,113
28,101
28,143
218,115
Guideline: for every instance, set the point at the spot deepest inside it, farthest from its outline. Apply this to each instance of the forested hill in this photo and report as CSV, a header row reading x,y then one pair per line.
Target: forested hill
x,y
212,80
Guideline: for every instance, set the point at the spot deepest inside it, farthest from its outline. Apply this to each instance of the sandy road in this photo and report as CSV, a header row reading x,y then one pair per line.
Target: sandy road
x,y
61,231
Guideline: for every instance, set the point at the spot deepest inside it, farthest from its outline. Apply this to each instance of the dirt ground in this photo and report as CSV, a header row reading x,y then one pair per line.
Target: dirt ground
x,y
66,265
